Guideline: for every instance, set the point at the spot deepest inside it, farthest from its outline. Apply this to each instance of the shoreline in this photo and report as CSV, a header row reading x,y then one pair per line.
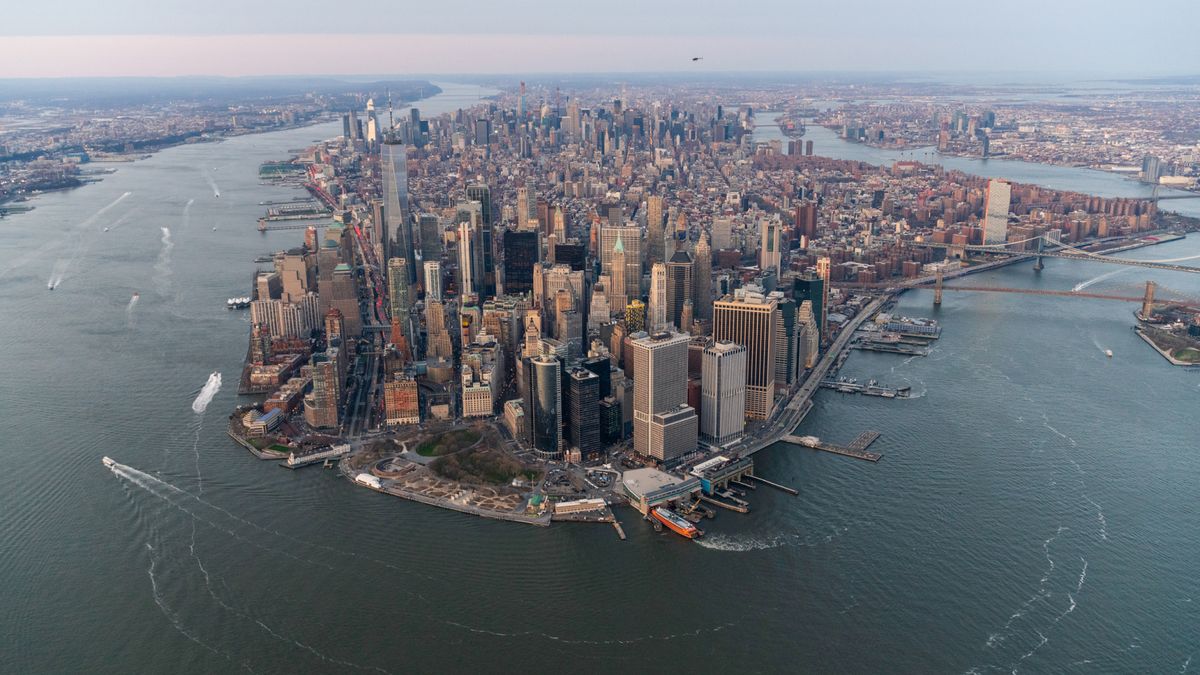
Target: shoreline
x,y
1164,353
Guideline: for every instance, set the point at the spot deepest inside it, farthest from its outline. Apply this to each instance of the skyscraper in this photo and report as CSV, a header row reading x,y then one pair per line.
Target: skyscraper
x,y
583,406
723,393
399,298
429,226
679,288
769,253
467,272
481,193
810,335
656,319
433,280
635,316
398,235
654,230
748,318
631,240
521,253
664,425
824,272
702,279
995,217
811,288
543,413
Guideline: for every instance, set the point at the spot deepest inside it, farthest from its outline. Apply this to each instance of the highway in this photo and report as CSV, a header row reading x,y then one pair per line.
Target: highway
x,y
788,415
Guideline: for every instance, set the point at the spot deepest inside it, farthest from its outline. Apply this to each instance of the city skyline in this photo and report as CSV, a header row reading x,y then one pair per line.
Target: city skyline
x,y
137,38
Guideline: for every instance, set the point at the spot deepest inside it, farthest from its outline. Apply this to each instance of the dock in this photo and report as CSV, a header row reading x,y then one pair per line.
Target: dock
x,y
725,505
856,449
890,348
868,389
617,526
790,490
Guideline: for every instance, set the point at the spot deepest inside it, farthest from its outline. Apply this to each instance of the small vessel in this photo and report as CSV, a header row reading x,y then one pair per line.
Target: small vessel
x,y
237,303
106,229
108,461
675,522
214,228
136,295
1108,353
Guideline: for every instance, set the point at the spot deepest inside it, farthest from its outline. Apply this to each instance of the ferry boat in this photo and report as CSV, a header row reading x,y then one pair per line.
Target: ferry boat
x,y
675,522
107,461
1108,353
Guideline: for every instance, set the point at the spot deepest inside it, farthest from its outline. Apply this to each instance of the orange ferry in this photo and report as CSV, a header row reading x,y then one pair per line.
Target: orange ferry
x,y
675,522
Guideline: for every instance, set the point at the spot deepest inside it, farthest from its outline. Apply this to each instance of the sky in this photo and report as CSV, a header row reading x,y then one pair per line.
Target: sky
x,y
81,38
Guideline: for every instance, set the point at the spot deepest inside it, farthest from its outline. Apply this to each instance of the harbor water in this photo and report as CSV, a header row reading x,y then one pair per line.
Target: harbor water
x,y
1034,510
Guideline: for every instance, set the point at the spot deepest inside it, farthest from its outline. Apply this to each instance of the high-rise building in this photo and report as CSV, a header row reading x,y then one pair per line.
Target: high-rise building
x,y
787,341
679,288
429,226
433,280
664,425
810,287
583,409
631,240
810,335
401,401
399,298
635,316
825,272
769,253
345,298
321,405
481,193
398,235
723,393
617,285
543,411
722,231
468,279
748,318
521,254
995,216
1151,169
657,319
702,279
654,230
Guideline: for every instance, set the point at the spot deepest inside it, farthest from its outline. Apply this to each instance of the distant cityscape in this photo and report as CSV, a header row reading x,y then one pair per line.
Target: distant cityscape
x,y
546,305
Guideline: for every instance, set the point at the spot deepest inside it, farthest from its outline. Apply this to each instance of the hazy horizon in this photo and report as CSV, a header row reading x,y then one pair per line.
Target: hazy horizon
x,y
374,38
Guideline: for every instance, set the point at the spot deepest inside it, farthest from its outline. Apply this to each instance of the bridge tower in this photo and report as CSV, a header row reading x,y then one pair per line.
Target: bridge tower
x,y
1037,265
937,289
1148,301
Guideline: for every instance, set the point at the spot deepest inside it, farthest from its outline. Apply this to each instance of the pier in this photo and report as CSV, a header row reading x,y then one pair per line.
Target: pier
x,y
856,449
890,347
868,389
724,505
790,490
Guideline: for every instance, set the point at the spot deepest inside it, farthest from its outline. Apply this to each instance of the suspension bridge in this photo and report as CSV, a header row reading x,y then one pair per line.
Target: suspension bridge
x,y
1058,249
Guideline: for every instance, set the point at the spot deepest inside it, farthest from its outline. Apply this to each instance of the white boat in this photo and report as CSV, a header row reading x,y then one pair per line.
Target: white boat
x,y
108,461
1108,353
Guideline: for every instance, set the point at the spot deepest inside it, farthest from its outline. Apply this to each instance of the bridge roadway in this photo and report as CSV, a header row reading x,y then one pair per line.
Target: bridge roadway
x,y
1064,252
788,415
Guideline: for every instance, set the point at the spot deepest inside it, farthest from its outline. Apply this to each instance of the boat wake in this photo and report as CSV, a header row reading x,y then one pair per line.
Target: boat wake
x,y
172,616
212,184
187,218
210,389
615,641
1097,279
163,266
724,542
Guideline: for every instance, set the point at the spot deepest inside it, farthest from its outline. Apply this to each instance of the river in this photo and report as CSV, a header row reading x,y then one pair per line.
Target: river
x,y
1034,509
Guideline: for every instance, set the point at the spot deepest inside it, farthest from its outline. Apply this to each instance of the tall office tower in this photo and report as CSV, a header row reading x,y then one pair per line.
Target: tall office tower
x,y
787,341
995,217
345,298
664,425
377,223
543,409
702,279
399,298
617,285
635,316
631,240
811,288
398,235
483,132
487,248
321,409
654,230
722,231
824,268
558,226
355,128
429,226
521,253
748,318
656,319
769,253
467,273
599,311
560,220
523,207
531,213
437,338
433,280
346,127
723,393
679,288
583,410
335,327
810,336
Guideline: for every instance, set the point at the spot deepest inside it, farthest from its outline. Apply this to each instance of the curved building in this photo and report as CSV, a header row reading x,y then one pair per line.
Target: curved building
x,y
544,412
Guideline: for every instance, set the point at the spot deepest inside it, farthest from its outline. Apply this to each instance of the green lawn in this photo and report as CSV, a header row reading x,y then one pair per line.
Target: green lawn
x,y
1187,354
280,448
447,443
